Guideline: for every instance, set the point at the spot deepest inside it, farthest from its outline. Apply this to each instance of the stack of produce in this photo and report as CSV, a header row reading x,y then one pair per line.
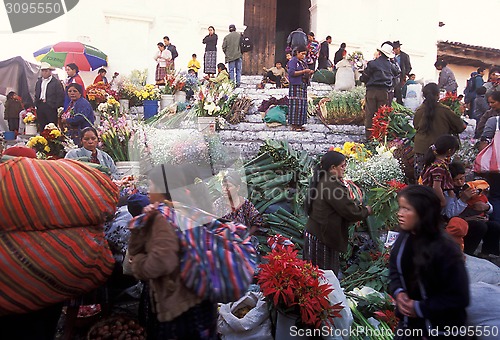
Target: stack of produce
x,y
280,174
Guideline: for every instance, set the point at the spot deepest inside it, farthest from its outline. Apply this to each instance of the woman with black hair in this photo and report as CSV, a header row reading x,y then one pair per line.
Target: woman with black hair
x,y
78,115
427,271
222,75
432,119
331,210
436,172
73,77
154,256
210,57
298,75
446,80
89,150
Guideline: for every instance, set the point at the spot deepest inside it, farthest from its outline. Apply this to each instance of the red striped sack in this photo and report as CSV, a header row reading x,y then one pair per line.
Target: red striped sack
x,y
488,159
40,195
52,244
46,267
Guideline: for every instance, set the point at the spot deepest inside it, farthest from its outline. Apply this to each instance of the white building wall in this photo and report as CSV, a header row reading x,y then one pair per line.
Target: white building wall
x,y
128,30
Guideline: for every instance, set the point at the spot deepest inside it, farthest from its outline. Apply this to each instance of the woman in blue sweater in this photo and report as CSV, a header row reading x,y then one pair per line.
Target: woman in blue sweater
x,y
79,113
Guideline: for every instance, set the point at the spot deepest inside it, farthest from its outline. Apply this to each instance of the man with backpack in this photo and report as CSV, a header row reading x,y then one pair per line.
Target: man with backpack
x,y
231,46
473,83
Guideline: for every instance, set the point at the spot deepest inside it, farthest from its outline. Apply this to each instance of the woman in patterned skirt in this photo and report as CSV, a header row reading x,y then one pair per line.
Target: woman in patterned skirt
x,y
210,58
299,75
331,209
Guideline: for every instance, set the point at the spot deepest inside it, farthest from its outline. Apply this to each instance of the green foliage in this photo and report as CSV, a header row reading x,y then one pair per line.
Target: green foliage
x,y
345,107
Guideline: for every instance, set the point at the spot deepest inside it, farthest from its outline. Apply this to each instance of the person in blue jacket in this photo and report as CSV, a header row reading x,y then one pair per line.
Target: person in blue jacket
x,y
79,113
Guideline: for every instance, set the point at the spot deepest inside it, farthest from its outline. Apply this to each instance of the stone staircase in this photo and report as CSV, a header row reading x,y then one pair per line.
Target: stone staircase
x,y
248,136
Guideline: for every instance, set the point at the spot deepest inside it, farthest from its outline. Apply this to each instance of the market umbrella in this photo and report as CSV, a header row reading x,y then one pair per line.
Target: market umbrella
x,y
86,57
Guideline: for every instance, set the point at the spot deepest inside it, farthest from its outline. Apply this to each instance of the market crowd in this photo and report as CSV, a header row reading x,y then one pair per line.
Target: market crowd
x,y
440,216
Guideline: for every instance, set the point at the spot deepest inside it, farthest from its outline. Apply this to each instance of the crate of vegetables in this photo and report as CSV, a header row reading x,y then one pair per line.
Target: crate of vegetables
x,y
120,327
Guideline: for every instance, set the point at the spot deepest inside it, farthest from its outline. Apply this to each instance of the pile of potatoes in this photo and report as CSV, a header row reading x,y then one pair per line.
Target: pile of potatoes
x,y
120,328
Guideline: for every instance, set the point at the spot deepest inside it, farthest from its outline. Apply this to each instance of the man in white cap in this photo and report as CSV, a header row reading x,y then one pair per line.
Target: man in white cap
x,y
378,77
49,95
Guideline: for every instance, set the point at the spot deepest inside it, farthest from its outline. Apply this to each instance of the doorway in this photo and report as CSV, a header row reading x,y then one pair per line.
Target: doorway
x,y
269,22
291,14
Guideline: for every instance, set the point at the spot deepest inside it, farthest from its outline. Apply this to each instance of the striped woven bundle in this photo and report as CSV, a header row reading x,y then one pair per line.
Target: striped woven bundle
x,y
46,267
52,244
218,260
41,195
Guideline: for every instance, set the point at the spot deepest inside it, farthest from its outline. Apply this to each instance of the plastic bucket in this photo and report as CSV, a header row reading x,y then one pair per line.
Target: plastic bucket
x,y
9,135
150,108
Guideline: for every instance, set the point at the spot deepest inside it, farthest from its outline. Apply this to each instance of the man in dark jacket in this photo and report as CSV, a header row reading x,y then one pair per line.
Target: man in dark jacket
x,y
403,60
172,49
297,38
232,50
378,77
339,55
324,53
49,96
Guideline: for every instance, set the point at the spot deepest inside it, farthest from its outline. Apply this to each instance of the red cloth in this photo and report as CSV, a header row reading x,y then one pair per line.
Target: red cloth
x,y
77,79
20,151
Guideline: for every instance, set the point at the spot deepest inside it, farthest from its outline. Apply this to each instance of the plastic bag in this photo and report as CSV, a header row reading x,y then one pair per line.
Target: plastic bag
x,y
413,96
324,76
255,325
343,324
276,114
481,270
484,309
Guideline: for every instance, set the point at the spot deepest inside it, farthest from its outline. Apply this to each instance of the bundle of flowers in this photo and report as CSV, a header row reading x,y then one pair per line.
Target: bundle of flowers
x,y
467,153
148,92
177,147
97,93
383,201
380,168
451,100
29,115
173,83
292,285
51,144
354,150
115,133
373,312
357,60
389,124
214,100
126,90
110,106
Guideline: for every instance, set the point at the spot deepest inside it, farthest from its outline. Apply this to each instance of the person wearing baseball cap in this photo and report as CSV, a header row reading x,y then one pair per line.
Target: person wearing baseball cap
x,y
232,50
49,95
378,77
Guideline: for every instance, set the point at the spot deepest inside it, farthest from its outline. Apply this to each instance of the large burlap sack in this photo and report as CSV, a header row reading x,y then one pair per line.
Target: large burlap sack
x,y
52,244
344,78
40,195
